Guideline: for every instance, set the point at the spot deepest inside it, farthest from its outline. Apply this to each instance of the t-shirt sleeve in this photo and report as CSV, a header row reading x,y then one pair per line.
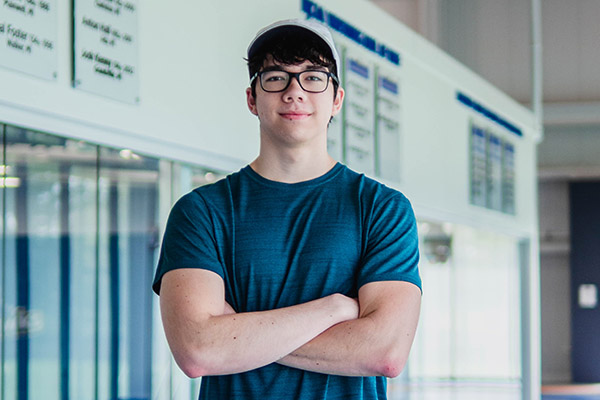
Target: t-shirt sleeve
x,y
189,240
392,249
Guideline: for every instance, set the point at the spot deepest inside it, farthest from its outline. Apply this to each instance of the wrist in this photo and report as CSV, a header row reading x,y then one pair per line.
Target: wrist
x,y
343,308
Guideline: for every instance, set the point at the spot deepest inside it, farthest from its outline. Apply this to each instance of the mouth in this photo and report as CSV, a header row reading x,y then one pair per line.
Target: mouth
x,y
294,115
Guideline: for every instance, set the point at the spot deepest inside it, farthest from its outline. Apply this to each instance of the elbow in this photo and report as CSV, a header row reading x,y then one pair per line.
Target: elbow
x,y
194,364
390,364
391,368
192,371
191,368
197,357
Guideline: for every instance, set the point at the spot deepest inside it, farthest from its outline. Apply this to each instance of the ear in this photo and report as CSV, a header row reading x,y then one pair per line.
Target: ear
x,y
338,101
251,101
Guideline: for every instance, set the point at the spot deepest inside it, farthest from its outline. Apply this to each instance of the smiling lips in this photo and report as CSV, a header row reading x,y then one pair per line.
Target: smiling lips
x,y
294,115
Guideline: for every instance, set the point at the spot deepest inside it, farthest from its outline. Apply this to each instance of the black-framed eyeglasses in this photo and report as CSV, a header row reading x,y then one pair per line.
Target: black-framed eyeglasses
x,y
312,81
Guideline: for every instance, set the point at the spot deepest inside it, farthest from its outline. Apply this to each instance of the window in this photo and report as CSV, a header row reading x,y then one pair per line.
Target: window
x,y
80,227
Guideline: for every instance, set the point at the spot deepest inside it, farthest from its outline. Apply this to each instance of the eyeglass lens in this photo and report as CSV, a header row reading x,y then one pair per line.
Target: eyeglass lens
x,y
310,81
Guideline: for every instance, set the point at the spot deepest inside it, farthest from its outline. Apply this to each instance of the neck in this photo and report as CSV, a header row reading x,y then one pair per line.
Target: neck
x,y
292,166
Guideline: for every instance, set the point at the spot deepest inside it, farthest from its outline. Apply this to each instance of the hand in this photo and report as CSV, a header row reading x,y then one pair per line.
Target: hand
x,y
349,306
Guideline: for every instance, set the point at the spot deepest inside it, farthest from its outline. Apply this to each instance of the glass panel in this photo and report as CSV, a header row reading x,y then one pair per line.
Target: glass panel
x,y
104,326
487,292
49,261
431,354
79,249
79,196
162,363
470,317
128,244
8,374
34,206
10,310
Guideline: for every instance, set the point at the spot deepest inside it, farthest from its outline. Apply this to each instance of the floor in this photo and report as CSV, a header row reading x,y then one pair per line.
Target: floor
x,y
571,397
487,391
571,392
454,391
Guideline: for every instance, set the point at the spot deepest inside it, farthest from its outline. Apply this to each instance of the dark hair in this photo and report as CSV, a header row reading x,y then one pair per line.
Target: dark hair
x,y
293,46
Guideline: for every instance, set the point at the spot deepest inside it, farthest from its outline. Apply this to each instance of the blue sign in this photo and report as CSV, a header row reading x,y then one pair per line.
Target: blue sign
x,y
358,68
313,10
467,101
389,85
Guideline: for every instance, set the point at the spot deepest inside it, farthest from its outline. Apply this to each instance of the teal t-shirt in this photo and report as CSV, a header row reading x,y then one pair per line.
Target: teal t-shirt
x,y
277,244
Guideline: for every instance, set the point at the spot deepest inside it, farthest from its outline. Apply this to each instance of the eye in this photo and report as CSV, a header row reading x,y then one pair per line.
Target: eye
x,y
315,76
274,76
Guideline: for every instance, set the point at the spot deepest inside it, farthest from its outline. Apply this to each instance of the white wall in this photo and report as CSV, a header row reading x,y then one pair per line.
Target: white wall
x,y
435,126
192,81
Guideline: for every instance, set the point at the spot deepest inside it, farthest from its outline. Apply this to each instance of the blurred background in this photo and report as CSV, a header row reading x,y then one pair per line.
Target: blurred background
x,y
485,113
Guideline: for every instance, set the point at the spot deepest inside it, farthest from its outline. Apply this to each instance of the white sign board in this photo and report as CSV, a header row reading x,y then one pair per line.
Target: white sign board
x,y
106,48
494,172
388,125
359,114
478,165
508,178
28,37
588,295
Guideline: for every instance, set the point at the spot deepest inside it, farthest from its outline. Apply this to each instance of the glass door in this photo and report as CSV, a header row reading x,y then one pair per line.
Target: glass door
x,y
469,328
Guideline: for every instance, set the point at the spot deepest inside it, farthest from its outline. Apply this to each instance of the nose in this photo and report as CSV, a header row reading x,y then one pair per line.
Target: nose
x,y
293,91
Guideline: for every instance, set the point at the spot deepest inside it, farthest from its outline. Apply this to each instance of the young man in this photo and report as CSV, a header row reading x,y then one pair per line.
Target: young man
x,y
294,278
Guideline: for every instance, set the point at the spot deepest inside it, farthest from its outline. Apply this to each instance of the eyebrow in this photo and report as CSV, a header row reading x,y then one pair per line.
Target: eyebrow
x,y
313,67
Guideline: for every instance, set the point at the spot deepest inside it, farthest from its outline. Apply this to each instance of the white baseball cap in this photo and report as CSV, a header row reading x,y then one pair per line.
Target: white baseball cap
x,y
318,29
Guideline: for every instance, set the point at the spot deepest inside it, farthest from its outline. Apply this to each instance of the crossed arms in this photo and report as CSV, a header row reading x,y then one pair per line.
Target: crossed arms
x,y
334,335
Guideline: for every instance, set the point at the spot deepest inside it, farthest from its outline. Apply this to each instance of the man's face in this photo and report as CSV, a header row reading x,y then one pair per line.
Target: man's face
x,y
294,115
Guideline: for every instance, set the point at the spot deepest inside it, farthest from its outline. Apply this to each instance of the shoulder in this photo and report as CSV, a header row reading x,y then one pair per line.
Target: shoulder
x,y
373,193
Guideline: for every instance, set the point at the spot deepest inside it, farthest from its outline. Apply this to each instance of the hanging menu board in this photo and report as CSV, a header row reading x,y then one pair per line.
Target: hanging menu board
x,y
494,172
508,178
28,37
492,164
106,48
478,158
359,115
368,136
335,130
387,127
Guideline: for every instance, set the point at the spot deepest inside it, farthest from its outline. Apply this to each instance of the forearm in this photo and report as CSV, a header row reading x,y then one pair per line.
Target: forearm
x,y
377,343
351,348
231,343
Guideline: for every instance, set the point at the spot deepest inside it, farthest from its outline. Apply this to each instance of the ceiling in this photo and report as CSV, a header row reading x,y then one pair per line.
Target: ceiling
x,y
493,38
